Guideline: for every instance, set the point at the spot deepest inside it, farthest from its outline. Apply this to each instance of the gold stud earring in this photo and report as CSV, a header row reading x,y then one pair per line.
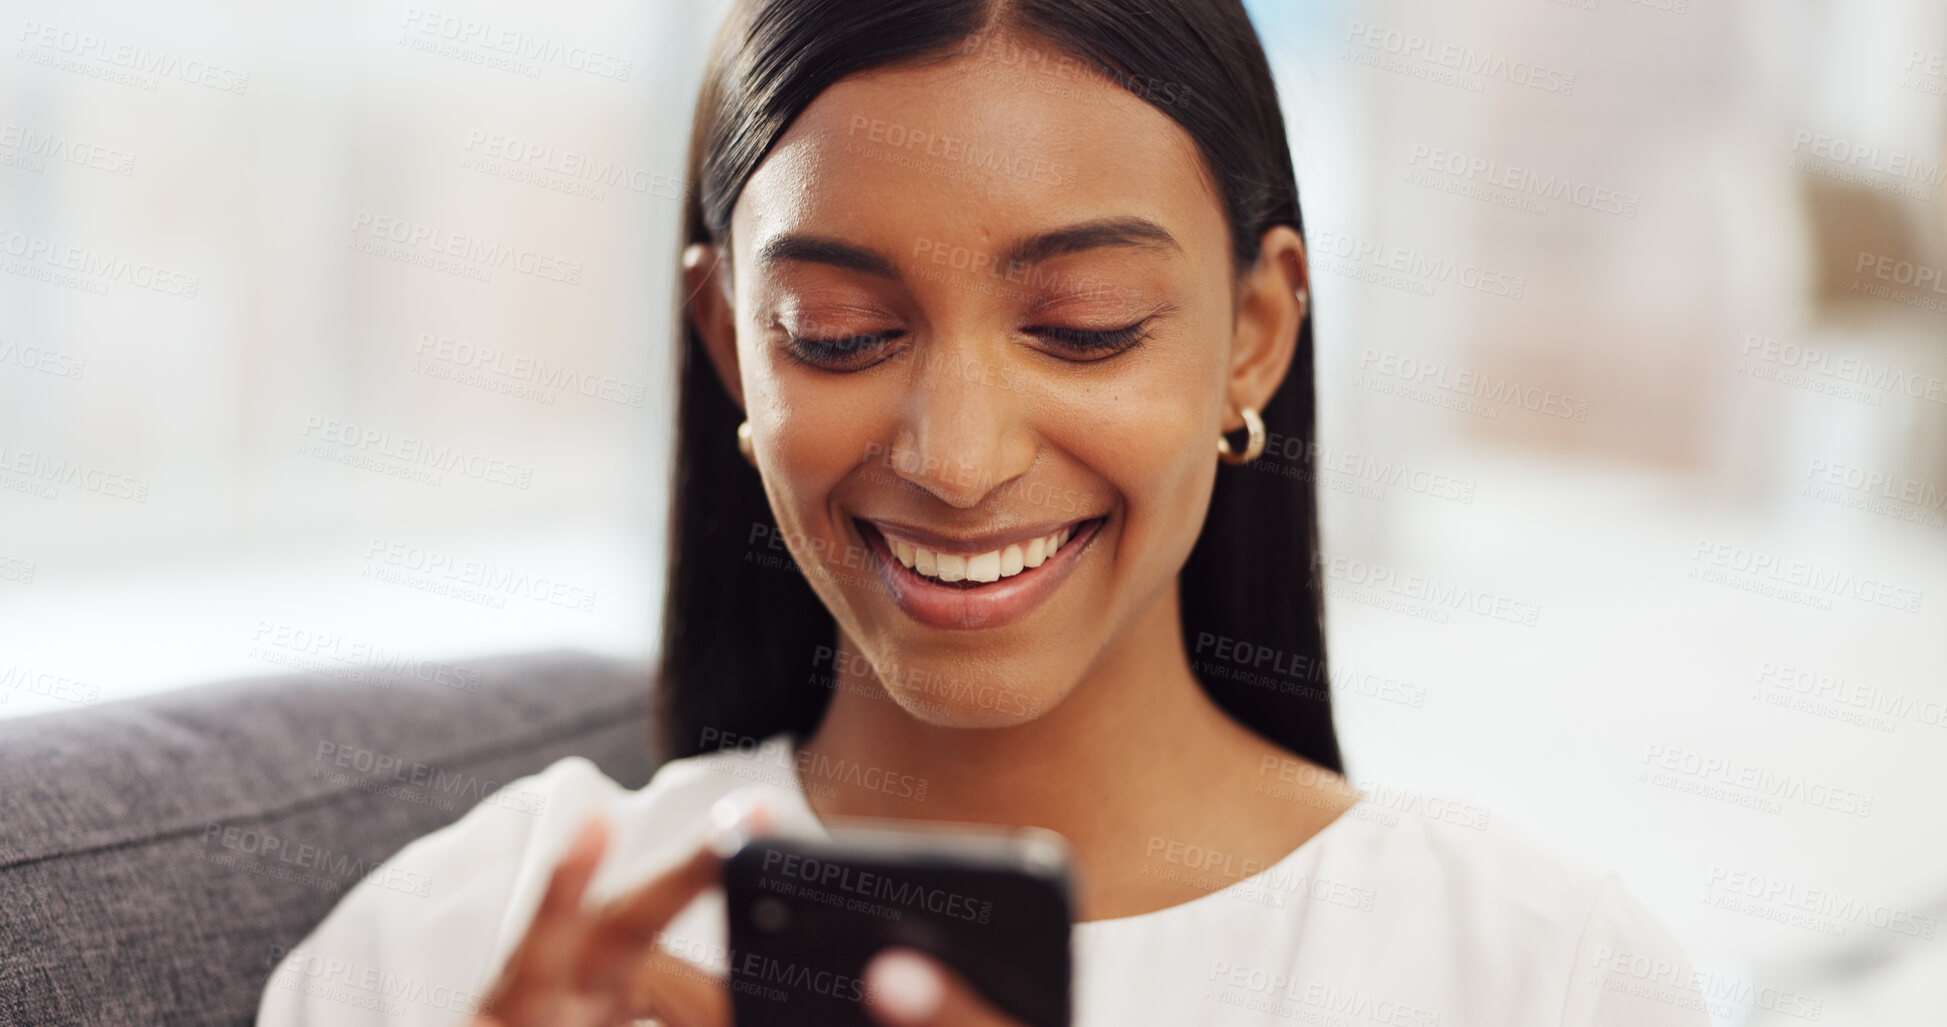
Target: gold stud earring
x,y
743,444
1255,425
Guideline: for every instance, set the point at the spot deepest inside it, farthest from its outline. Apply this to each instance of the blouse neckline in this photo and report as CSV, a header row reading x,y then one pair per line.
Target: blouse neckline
x,y
1278,869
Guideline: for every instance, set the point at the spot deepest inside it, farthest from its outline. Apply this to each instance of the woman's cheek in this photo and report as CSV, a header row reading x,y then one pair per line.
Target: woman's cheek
x,y
806,446
813,421
1156,456
1142,435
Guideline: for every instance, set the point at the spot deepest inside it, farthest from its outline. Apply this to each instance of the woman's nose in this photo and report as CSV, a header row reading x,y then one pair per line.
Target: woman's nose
x,y
962,431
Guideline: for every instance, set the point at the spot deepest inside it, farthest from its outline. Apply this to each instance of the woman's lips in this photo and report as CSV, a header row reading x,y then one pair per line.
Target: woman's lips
x,y
968,606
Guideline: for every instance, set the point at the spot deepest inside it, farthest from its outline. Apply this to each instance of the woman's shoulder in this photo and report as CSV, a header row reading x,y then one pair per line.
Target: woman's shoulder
x,y
1467,849
517,834
1442,871
1467,861
703,778
531,820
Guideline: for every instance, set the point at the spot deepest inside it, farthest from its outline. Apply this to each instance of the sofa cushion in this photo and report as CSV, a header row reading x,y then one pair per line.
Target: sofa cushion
x,y
157,855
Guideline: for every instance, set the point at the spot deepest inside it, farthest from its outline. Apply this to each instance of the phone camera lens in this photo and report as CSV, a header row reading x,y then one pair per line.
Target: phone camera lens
x,y
770,915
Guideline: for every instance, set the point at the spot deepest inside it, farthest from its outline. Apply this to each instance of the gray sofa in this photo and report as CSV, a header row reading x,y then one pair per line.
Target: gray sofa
x,y
156,855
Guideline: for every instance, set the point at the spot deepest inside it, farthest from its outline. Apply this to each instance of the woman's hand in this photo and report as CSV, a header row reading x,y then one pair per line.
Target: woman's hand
x,y
907,989
601,968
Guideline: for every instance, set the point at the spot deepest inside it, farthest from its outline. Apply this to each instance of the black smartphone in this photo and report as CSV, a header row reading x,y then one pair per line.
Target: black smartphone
x,y
806,915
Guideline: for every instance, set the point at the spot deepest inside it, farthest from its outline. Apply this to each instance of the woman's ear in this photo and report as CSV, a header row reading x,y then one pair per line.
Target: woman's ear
x,y
1273,299
706,276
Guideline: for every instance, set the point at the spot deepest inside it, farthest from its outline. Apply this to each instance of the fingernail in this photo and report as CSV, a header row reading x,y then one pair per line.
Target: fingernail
x,y
905,985
735,818
587,838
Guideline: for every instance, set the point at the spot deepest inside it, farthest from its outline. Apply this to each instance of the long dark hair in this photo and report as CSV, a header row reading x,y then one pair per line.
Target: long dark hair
x,y
740,635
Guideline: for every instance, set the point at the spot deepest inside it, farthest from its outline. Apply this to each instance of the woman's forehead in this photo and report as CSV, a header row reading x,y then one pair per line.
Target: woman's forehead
x,y
953,148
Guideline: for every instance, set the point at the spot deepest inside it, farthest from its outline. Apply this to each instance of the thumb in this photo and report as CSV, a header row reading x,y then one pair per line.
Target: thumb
x,y
906,989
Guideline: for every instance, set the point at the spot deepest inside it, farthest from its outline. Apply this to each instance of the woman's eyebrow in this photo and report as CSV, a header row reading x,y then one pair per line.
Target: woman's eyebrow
x,y
1087,235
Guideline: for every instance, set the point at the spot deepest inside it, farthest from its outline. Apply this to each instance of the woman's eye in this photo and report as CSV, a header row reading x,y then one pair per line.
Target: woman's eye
x,y
849,353
857,352
1092,343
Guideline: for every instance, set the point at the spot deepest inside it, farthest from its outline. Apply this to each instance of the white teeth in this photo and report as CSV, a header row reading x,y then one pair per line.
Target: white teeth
x,y
990,566
985,567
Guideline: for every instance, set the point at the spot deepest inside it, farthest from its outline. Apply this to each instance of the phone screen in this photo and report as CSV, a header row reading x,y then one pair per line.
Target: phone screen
x,y
806,915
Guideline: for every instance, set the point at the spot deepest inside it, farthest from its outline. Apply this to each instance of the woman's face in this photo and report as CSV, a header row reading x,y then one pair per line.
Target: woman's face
x,y
981,308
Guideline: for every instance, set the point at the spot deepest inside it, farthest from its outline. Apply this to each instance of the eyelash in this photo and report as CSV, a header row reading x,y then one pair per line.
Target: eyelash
x,y
825,353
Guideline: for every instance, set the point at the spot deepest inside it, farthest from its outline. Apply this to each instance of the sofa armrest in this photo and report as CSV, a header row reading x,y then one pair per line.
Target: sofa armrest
x,y
157,855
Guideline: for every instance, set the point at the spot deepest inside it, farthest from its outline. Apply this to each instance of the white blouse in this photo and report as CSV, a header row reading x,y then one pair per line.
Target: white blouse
x,y
1382,919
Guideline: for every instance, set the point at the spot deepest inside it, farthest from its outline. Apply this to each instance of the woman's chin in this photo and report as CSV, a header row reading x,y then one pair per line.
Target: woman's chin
x,y
972,705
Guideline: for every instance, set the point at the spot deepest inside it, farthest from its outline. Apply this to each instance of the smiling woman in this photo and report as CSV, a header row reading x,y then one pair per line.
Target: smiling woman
x,y
1077,251
978,290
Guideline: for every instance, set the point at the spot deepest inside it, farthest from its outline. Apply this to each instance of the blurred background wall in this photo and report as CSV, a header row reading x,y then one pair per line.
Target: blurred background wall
x,y
337,338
